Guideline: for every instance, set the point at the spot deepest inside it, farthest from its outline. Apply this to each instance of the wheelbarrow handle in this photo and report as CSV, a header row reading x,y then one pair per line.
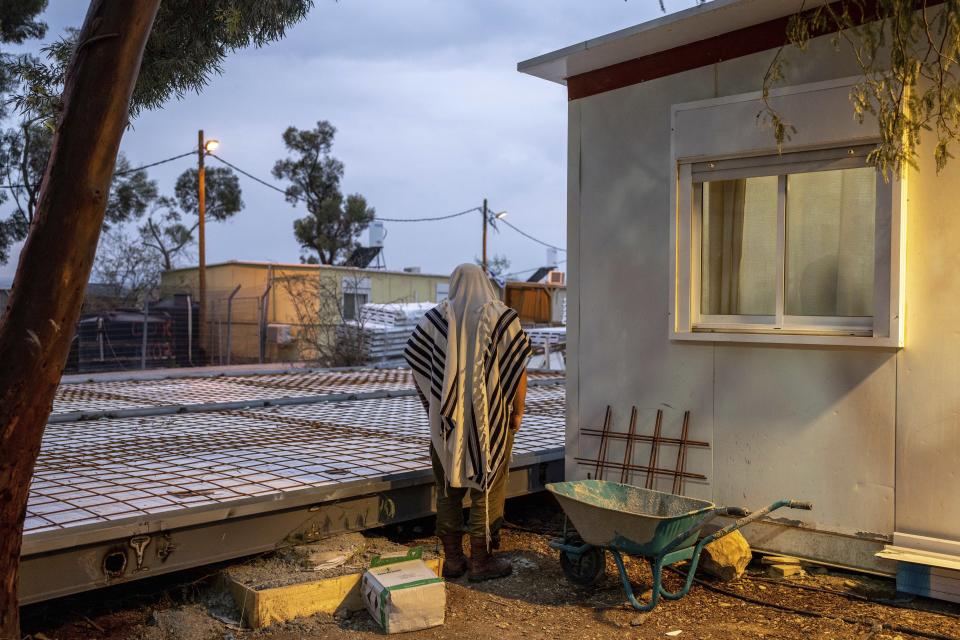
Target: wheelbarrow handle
x,y
756,515
744,517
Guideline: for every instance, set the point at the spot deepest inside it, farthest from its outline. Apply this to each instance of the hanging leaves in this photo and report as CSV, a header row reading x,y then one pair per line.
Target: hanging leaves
x,y
907,52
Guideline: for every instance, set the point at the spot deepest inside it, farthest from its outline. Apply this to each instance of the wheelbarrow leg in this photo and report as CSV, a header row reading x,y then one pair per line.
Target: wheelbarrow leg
x,y
628,589
688,582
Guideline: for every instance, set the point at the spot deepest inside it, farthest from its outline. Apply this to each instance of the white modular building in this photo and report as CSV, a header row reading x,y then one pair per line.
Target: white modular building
x,y
798,305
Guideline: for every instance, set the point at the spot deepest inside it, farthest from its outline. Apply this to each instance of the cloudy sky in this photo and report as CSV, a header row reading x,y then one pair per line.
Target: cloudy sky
x,y
431,117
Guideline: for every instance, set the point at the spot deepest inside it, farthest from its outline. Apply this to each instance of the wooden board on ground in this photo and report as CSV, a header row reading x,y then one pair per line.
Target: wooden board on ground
x,y
767,560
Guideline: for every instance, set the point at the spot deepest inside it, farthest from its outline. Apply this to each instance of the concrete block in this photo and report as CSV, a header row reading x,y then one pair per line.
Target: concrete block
x,y
264,607
784,570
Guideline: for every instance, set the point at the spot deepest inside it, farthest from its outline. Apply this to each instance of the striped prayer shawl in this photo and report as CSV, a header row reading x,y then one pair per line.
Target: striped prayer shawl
x,y
469,388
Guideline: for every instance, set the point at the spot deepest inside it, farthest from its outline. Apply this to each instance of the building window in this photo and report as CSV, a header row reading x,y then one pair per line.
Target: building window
x,y
791,245
352,303
443,291
356,293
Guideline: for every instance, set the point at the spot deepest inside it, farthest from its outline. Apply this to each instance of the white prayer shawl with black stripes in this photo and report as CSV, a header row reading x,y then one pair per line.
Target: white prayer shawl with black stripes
x,y
469,386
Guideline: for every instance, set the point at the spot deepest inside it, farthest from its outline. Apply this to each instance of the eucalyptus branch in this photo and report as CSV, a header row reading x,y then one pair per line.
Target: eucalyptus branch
x,y
905,54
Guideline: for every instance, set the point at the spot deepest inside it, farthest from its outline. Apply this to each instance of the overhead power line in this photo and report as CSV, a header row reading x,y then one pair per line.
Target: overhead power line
x,y
532,269
424,219
269,185
301,199
119,173
283,191
251,176
530,237
154,164
433,219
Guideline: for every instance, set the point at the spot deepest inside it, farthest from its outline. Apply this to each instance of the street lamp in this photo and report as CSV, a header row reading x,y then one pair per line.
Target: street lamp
x,y
203,148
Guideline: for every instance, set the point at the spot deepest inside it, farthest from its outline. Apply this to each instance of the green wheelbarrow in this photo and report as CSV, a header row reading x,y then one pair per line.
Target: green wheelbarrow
x,y
661,527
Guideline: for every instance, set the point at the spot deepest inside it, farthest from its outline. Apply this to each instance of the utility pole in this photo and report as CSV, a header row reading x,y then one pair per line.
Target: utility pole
x,y
203,148
201,249
485,221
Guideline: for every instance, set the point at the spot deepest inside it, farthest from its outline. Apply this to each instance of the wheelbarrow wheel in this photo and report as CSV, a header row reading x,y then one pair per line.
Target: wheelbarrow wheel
x,y
585,569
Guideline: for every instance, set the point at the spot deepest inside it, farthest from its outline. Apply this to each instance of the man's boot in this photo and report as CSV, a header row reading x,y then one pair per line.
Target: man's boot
x,y
483,564
454,562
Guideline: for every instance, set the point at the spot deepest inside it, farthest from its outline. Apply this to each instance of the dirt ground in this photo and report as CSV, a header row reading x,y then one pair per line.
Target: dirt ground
x,y
535,602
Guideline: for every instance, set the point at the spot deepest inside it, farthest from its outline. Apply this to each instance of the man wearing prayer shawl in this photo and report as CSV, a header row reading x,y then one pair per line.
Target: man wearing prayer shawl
x,y
469,359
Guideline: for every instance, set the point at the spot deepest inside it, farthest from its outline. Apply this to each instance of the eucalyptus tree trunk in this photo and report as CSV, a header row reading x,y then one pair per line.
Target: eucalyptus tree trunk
x,y
55,263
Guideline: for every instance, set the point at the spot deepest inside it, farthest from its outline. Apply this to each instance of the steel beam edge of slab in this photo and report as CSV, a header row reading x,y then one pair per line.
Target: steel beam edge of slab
x,y
66,571
64,538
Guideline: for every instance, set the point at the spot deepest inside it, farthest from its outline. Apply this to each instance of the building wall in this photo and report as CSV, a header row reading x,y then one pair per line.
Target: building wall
x,y
385,287
928,380
816,424
535,303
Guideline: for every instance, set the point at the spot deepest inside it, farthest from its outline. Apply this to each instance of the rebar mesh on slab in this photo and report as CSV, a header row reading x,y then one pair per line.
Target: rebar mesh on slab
x,y
106,470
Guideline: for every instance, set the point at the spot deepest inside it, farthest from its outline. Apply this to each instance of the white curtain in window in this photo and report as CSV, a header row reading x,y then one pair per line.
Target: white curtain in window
x,y
830,243
723,245
739,234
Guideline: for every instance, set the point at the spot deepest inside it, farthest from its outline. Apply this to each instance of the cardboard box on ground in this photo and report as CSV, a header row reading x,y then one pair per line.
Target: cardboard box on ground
x,y
403,594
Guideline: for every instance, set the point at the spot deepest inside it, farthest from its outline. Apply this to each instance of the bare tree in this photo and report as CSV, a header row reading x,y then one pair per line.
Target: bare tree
x,y
130,269
164,232
329,332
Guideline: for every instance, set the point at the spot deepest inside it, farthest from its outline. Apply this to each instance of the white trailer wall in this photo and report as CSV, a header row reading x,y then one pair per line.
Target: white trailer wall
x,y
928,372
810,423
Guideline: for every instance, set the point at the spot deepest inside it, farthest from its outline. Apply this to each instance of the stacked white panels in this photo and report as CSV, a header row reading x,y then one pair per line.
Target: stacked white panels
x,y
388,327
554,336
549,347
396,314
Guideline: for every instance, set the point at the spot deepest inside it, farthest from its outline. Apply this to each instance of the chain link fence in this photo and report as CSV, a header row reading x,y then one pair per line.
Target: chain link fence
x,y
169,331
245,326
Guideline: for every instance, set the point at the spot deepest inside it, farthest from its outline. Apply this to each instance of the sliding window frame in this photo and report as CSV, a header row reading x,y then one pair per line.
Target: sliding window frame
x,y
882,329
